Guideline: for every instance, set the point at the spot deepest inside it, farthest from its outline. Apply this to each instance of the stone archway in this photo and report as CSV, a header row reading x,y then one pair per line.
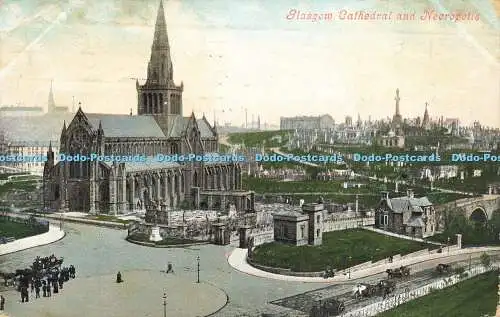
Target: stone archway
x,y
478,215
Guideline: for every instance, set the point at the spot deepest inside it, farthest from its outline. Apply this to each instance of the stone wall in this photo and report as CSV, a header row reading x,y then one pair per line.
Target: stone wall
x,y
348,223
282,271
399,257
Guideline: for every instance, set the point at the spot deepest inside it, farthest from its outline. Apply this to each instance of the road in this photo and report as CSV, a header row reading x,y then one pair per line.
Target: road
x,y
98,251
425,274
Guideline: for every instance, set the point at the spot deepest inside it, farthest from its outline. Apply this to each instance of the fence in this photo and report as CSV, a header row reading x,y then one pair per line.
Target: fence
x,y
262,238
381,306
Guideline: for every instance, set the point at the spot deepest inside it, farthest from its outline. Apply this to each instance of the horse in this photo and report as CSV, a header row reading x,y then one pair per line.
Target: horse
x,y
9,278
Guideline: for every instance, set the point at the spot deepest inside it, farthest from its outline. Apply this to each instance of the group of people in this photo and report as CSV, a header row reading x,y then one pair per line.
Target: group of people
x,y
52,283
46,276
46,262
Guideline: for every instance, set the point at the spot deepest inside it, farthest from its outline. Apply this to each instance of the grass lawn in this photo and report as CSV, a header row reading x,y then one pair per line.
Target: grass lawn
x,y
256,139
19,230
361,245
166,241
474,297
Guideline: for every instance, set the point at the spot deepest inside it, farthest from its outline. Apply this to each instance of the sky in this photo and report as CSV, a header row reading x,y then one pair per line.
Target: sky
x,y
237,55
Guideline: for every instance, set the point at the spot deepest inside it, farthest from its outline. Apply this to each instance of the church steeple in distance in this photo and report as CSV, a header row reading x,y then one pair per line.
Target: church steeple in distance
x,y
159,95
51,104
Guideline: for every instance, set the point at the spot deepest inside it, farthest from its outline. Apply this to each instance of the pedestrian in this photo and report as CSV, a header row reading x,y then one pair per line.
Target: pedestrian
x,y
170,268
32,284
61,281
49,291
2,303
37,291
119,277
44,289
24,294
56,287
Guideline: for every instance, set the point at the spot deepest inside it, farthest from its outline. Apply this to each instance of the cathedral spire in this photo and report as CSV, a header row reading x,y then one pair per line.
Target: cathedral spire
x,y
51,103
160,70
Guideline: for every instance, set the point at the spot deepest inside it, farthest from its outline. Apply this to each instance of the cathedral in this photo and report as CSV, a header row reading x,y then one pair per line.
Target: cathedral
x,y
158,128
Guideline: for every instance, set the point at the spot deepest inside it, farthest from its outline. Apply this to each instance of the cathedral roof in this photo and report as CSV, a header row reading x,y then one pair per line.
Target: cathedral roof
x,y
36,130
148,165
122,125
177,125
205,128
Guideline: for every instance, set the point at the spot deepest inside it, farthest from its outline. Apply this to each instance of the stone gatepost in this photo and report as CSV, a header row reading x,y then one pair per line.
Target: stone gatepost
x,y
315,230
219,229
459,241
244,236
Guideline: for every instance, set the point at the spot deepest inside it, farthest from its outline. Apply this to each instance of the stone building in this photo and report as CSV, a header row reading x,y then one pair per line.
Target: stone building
x,y
30,133
307,122
407,215
297,228
159,128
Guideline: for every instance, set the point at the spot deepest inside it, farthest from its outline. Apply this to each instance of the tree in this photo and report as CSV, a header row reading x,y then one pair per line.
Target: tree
x,y
485,260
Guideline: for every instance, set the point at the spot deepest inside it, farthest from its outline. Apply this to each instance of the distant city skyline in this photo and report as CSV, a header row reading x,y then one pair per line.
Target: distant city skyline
x,y
236,56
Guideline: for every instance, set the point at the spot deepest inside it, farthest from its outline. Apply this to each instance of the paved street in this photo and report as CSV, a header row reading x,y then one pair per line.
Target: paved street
x,y
141,294
97,252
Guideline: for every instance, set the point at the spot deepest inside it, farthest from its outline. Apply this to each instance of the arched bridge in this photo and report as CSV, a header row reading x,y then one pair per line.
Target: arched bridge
x,y
478,209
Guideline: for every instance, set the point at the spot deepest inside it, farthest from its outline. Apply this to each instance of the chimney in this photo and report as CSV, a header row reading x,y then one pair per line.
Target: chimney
x,y
409,193
385,195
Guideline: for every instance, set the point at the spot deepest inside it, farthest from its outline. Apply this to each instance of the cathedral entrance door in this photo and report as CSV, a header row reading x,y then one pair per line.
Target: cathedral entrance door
x,y
79,198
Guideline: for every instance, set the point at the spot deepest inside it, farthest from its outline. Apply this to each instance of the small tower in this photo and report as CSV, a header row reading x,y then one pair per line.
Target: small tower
x,y
315,223
258,123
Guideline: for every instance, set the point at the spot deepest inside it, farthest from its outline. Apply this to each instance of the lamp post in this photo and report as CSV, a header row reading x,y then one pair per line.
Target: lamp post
x,y
198,270
164,304
350,258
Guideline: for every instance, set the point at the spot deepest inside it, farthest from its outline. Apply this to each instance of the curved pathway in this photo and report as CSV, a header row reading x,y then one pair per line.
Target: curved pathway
x,y
54,234
238,260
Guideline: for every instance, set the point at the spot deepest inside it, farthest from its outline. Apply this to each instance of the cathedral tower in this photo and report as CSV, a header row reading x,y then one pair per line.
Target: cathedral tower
x,y
159,95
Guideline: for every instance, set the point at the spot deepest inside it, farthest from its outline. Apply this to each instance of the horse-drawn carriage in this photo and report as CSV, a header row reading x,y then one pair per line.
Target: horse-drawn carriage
x,y
382,288
40,268
327,307
399,272
329,272
442,268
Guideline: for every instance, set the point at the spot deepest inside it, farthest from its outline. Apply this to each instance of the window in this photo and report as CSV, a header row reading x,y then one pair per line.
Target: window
x,y
317,232
318,218
384,220
302,231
